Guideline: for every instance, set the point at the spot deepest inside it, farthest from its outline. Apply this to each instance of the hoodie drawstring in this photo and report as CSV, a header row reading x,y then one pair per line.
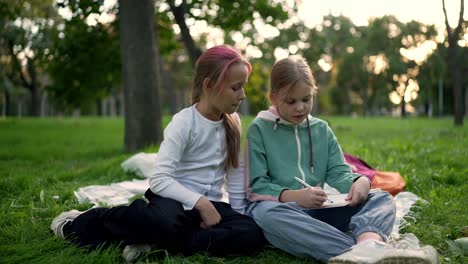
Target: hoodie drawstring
x,y
276,123
310,147
310,141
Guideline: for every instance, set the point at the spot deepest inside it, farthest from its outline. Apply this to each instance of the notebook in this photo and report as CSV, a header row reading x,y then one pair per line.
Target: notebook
x,y
338,200
335,200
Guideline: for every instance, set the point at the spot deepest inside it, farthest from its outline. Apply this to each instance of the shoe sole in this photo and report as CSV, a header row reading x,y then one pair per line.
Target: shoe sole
x,y
403,260
389,260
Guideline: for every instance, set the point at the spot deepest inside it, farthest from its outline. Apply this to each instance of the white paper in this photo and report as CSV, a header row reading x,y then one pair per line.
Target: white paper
x,y
335,200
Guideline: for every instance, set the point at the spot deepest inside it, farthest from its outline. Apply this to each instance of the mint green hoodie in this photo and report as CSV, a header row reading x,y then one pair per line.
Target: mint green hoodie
x,y
277,151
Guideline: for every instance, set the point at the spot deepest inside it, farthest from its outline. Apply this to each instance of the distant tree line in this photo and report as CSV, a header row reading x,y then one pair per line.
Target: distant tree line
x,y
64,57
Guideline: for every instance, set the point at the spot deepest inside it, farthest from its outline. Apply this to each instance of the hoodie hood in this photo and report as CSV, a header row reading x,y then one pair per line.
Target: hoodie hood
x,y
272,115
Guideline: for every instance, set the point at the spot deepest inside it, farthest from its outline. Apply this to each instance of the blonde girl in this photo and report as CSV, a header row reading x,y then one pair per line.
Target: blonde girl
x,y
285,142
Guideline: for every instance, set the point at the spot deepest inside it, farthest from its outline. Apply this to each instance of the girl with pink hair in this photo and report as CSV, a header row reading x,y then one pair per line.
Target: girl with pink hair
x,y
184,212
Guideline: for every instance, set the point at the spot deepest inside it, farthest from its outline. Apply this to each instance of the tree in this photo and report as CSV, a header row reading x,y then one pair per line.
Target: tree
x,y
179,13
372,64
430,78
454,62
139,55
86,64
333,45
221,14
24,45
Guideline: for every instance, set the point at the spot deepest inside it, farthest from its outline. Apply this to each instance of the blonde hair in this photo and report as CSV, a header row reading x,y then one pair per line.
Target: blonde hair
x,y
286,73
214,64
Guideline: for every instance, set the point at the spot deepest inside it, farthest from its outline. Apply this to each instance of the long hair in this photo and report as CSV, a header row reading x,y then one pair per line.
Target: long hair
x,y
214,64
286,73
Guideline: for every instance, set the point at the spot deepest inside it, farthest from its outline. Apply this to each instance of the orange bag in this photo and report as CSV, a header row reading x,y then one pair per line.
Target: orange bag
x,y
389,181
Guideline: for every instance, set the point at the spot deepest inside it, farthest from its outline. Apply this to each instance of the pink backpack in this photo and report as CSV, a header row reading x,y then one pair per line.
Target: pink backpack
x,y
389,181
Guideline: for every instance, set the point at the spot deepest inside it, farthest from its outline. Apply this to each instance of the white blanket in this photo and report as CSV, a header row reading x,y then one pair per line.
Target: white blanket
x,y
142,163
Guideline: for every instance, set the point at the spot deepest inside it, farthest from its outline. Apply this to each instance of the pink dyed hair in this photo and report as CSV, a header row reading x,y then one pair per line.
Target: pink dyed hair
x,y
214,64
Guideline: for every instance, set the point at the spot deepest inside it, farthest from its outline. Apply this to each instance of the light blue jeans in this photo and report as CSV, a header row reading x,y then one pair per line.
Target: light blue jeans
x,y
322,233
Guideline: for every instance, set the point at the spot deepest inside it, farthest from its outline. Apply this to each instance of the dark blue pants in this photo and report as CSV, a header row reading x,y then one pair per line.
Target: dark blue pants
x,y
164,223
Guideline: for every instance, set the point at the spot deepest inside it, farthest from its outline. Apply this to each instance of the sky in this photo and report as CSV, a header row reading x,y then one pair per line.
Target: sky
x,y
313,11
359,11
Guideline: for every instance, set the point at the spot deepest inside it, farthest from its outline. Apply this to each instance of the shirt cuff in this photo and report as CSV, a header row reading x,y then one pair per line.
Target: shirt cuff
x,y
189,202
370,182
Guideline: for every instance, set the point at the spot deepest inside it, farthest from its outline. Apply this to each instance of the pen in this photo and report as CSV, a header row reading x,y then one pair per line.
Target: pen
x,y
308,186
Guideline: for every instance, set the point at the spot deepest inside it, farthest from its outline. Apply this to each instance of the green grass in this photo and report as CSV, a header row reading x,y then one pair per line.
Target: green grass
x,y
42,161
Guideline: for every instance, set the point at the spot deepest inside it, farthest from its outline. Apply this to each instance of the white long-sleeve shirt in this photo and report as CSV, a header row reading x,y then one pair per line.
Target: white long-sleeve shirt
x,y
190,162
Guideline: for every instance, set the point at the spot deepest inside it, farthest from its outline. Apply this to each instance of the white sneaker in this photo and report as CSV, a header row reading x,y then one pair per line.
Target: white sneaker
x,y
132,252
366,252
376,252
59,222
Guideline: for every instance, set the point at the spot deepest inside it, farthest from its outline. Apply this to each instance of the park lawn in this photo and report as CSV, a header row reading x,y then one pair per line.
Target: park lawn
x,y
42,161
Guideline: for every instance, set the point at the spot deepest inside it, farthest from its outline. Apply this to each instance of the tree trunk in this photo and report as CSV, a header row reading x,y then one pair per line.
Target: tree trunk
x,y
365,97
466,101
403,107
29,83
365,102
454,64
104,107
179,16
454,69
441,97
19,108
121,103
32,86
111,105
44,107
168,86
9,105
458,93
139,55
4,104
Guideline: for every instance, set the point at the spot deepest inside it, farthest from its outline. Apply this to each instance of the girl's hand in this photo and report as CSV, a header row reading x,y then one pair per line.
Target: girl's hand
x,y
208,213
359,191
306,198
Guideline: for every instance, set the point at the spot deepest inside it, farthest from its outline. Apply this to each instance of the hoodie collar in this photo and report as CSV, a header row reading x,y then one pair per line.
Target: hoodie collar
x,y
272,115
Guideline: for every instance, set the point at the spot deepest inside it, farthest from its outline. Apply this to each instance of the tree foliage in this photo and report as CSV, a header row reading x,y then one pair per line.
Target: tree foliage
x,y
75,57
86,57
24,45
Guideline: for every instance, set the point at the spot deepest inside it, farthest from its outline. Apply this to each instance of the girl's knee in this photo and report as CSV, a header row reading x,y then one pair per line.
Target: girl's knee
x,y
252,235
263,209
382,198
154,218
267,214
